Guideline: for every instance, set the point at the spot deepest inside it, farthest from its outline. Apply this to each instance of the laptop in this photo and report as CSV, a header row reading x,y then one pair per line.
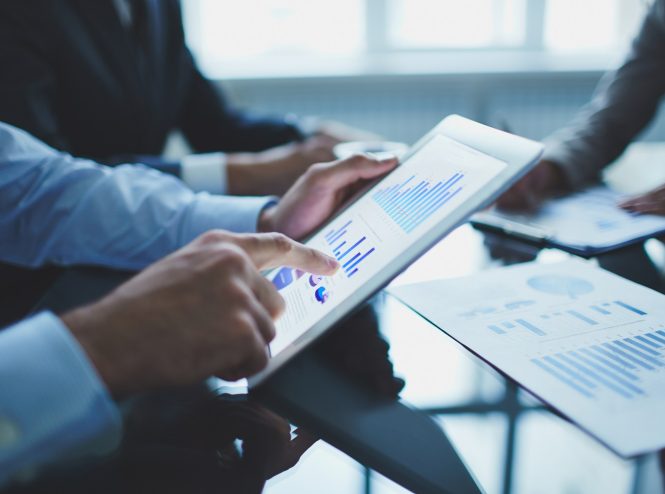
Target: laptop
x,y
456,169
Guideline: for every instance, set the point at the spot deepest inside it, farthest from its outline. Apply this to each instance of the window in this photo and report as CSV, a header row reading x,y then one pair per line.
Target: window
x,y
591,25
456,24
229,30
223,32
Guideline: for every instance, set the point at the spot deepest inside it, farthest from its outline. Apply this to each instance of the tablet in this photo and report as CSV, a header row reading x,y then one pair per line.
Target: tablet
x,y
459,167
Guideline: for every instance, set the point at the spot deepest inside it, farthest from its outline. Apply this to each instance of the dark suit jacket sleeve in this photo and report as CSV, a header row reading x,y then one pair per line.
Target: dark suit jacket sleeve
x,y
210,123
28,82
623,104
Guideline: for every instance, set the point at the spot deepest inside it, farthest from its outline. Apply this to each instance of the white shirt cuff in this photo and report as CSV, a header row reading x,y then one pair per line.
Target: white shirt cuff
x,y
52,399
232,213
205,172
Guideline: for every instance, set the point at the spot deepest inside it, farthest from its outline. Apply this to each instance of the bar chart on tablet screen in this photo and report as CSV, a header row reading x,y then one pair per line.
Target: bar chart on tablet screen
x,y
350,245
412,201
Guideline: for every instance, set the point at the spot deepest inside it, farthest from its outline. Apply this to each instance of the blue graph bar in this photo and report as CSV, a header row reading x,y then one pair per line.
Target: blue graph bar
x,y
642,347
508,325
594,375
582,317
627,356
423,199
339,247
336,237
616,358
530,327
382,196
395,192
649,342
443,200
600,310
630,308
496,329
442,196
360,260
607,373
332,233
661,333
356,256
406,197
351,248
609,364
659,339
409,204
643,356
562,378
572,373
399,207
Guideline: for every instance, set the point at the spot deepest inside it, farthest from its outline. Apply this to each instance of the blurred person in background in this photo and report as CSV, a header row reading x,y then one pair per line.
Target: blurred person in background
x,y
109,80
624,103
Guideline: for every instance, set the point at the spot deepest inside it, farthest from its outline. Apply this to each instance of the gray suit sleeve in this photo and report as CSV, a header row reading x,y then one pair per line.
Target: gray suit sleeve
x,y
623,104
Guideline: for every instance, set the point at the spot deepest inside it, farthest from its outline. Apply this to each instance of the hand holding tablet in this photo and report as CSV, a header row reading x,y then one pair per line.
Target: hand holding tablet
x,y
456,169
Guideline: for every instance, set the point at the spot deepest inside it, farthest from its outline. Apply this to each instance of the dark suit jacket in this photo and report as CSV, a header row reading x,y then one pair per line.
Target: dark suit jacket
x,y
76,78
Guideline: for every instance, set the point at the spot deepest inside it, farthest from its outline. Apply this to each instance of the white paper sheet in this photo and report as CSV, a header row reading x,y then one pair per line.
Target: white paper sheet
x,y
589,218
588,342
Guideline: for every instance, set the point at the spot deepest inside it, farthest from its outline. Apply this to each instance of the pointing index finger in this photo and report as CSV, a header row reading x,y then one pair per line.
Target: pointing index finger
x,y
274,249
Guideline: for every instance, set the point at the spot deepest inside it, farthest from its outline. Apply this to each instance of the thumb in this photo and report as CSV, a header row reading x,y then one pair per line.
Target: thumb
x,y
271,250
339,174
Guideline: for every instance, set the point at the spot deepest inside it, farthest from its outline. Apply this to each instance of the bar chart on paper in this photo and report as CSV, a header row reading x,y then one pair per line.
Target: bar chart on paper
x,y
616,365
350,246
585,341
410,202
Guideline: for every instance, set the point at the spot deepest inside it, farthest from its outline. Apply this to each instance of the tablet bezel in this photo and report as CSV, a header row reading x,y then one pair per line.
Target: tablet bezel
x,y
518,153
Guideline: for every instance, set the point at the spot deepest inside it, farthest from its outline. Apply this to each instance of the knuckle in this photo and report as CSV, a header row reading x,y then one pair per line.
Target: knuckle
x,y
240,295
253,240
358,158
230,258
243,325
314,172
213,236
271,332
281,242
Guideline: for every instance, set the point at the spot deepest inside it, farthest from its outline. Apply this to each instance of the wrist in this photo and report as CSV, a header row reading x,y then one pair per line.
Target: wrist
x,y
86,326
266,222
238,169
554,180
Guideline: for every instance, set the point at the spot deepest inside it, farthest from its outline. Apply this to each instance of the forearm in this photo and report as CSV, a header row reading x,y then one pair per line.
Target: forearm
x,y
61,210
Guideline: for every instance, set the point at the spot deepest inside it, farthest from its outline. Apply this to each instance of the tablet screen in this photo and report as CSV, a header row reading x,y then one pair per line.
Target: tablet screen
x,y
379,227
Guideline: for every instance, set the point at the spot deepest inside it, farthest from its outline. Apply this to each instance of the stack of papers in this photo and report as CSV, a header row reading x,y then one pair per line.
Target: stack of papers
x,y
589,343
585,223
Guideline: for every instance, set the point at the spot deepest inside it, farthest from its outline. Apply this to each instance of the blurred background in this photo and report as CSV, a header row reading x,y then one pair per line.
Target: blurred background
x,y
397,66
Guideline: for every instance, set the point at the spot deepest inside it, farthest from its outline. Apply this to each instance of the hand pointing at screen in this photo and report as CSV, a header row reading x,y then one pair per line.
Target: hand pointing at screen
x,y
203,310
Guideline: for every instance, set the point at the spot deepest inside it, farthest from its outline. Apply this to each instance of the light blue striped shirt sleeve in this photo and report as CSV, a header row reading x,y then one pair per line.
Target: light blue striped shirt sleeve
x,y
58,209
62,210
52,403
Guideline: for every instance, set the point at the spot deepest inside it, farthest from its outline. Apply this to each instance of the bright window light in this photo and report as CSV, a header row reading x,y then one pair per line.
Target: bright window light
x,y
456,24
274,36
591,25
228,30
